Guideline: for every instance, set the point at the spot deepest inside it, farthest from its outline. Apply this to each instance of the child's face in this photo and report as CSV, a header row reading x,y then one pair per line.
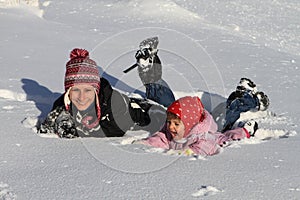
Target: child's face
x,y
176,128
82,96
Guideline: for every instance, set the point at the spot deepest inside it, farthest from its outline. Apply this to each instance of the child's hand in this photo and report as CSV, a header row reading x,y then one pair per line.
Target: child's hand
x,y
186,152
137,142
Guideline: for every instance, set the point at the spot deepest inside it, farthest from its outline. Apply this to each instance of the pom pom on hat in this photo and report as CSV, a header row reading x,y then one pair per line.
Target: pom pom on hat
x,y
190,110
80,69
79,53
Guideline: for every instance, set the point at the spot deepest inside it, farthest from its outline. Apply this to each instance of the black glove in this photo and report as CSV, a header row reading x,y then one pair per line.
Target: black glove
x,y
143,53
65,126
139,112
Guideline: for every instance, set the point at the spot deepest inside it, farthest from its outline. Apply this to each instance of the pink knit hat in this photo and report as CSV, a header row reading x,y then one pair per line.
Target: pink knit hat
x,y
80,69
190,110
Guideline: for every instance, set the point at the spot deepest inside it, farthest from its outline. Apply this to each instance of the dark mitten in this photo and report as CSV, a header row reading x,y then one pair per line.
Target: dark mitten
x,y
139,112
65,126
48,125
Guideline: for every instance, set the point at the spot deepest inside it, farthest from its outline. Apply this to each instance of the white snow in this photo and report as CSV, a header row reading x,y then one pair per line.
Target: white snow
x,y
206,191
205,48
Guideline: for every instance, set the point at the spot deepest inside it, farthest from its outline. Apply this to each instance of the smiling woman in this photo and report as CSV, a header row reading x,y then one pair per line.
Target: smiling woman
x,y
82,96
91,108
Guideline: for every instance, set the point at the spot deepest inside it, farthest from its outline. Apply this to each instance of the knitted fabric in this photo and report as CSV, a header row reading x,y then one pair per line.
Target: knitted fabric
x,y
80,69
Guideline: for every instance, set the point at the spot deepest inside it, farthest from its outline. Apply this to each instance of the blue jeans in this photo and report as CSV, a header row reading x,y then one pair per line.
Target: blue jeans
x,y
160,93
236,107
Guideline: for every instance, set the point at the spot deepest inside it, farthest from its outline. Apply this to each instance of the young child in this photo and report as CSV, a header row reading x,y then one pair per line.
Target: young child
x,y
243,99
191,129
90,107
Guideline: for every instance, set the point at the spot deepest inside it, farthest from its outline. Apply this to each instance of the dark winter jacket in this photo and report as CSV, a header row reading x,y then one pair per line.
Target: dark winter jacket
x,y
117,116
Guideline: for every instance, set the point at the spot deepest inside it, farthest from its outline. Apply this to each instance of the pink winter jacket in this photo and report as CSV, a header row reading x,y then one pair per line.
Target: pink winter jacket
x,y
203,138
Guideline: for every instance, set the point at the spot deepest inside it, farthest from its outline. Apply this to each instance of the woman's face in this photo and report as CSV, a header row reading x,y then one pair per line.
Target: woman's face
x,y
82,96
176,128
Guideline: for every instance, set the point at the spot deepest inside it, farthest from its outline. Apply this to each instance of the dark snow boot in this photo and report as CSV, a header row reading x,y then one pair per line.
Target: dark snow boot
x,y
263,100
149,64
246,84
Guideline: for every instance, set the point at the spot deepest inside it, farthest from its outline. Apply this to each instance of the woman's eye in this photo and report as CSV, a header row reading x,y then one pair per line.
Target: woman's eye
x,y
88,90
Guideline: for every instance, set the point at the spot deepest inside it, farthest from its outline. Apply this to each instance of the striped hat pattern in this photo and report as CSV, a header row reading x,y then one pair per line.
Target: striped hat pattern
x,y
80,69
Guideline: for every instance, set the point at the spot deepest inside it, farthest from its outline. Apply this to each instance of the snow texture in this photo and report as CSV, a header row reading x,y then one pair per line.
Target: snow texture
x,y
205,48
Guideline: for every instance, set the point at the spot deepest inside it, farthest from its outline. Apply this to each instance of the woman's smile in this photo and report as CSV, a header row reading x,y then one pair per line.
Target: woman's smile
x,y
82,96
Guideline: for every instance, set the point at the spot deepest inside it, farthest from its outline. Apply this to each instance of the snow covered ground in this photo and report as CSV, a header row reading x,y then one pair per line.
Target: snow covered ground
x,y
205,48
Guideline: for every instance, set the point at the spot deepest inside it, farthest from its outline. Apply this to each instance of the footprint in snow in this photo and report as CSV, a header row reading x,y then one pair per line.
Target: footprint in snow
x,y
206,191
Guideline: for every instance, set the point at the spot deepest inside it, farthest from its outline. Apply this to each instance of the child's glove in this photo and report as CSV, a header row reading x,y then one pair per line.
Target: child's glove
x,y
138,142
186,152
65,126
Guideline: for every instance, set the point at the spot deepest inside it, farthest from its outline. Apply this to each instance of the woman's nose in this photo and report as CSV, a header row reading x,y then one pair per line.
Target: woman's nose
x,y
81,96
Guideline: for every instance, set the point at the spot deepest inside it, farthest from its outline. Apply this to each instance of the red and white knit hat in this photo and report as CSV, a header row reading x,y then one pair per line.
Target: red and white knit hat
x,y
190,110
80,69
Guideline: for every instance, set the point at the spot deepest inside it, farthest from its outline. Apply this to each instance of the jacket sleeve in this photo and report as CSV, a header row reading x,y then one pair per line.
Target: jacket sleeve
x,y
206,144
158,140
114,119
119,113
60,122
48,125
208,124
210,143
237,134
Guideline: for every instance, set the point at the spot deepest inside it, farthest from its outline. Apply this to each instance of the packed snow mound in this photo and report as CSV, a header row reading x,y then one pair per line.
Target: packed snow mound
x,y
9,3
15,3
264,27
162,10
31,6
206,191
243,38
6,193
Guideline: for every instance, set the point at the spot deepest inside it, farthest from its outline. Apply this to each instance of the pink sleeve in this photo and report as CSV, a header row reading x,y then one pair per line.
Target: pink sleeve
x,y
206,145
209,143
209,124
158,140
237,134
